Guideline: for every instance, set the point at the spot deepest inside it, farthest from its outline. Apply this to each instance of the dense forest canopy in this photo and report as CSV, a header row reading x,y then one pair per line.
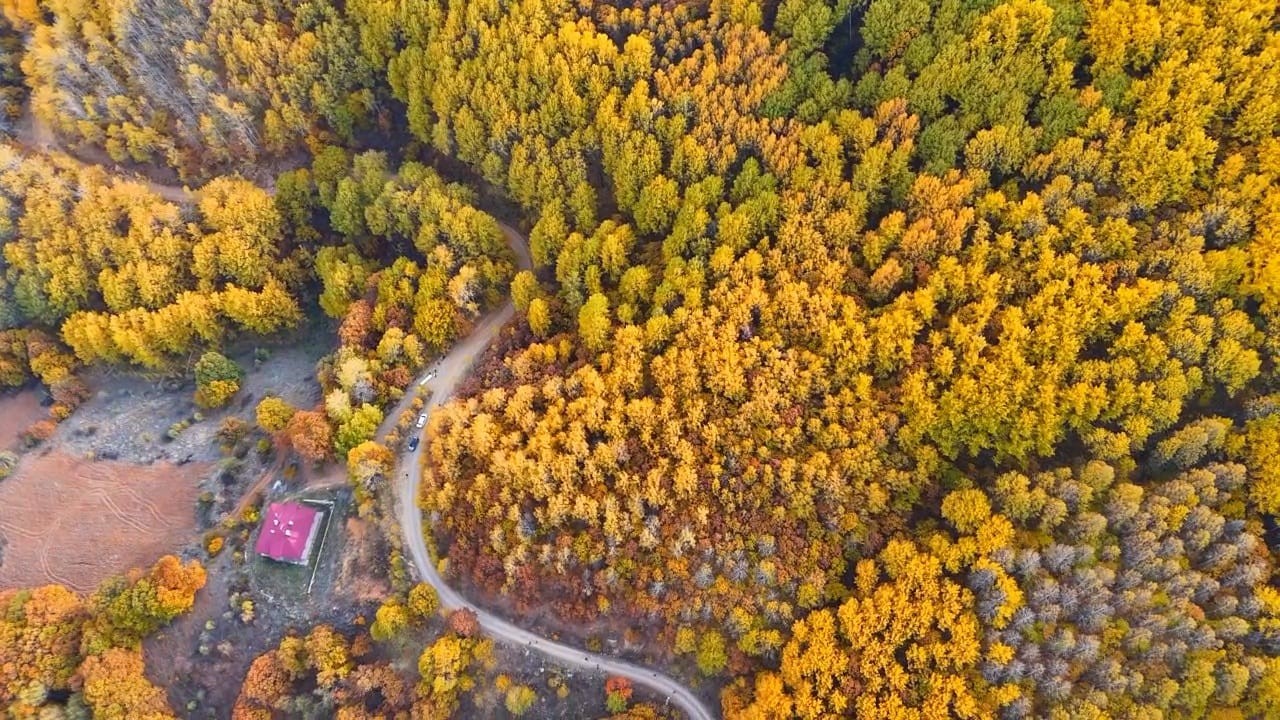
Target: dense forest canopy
x,y
983,323
190,83
52,639
894,358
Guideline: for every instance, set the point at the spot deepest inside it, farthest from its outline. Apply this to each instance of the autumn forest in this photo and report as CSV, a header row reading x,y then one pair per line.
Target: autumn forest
x,y
882,358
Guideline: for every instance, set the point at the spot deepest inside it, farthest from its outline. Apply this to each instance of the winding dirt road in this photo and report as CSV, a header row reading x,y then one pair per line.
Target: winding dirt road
x,y
34,136
449,371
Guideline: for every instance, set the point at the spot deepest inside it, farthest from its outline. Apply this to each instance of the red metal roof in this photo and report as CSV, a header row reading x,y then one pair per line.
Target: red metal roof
x,y
288,530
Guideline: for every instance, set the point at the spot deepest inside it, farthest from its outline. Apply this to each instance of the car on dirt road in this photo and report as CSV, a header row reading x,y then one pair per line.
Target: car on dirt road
x,y
413,444
422,421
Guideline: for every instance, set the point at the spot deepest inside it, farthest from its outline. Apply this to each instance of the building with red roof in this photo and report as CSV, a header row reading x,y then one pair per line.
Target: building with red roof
x,y
288,532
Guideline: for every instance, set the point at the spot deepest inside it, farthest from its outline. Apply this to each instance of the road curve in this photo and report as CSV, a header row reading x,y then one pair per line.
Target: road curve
x,y
449,370
34,136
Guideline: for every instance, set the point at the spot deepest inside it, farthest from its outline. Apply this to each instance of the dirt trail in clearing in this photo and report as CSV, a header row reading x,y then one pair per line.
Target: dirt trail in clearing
x,y
76,522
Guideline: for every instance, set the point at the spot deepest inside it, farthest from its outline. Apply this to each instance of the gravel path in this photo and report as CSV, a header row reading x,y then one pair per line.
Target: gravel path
x,y
449,371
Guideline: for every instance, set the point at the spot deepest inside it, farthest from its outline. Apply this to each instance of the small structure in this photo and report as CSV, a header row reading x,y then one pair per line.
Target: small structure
x,y
288,532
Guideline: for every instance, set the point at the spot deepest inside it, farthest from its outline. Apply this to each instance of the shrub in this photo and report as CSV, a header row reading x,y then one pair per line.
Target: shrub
x,y
711,653
423,602
617,693
274,413
217,379
391,619
39,432
177,429
8,461
519,699
216,393
213,545
232,430
464,622
397,572
213,366
686,640
69,392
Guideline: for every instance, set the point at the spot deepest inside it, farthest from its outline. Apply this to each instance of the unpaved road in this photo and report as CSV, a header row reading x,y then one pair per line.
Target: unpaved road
x,y
449,371
35,136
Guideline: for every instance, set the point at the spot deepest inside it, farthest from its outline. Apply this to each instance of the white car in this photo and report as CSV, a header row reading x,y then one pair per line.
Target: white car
x,y
422,421
428,378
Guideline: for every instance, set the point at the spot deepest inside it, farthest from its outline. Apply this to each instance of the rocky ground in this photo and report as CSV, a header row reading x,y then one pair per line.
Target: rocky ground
x,y
129,415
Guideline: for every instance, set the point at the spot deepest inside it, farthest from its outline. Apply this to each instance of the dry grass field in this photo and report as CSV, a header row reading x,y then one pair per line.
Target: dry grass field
x,y
73,521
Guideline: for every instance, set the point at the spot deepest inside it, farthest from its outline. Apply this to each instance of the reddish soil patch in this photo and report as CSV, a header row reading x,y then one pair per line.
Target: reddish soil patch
x,y
359,577
17,412
73,521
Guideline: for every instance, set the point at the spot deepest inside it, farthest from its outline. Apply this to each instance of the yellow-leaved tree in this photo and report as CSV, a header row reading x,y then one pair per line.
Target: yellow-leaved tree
x,y
905,645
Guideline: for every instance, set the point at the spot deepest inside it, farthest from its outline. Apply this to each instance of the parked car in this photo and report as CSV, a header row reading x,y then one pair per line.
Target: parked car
x,y
422,421
413,443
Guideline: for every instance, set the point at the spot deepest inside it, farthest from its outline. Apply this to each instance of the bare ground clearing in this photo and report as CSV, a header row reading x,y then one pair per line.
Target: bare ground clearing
x,y
208,650
17,412
129,415
76,522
